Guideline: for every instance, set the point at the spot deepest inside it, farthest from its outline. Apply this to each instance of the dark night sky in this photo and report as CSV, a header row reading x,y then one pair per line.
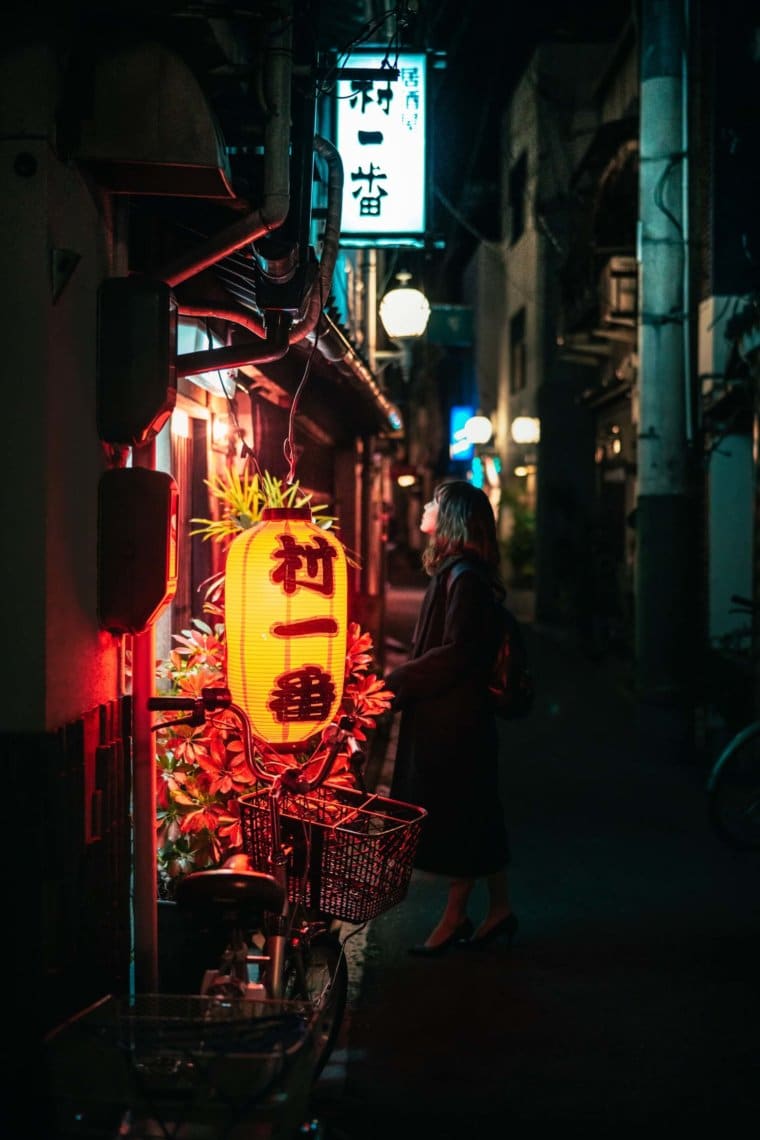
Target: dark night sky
x,y
487,47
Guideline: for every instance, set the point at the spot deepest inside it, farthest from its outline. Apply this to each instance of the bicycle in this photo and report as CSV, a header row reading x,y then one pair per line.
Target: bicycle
x,y
733,786
238,1060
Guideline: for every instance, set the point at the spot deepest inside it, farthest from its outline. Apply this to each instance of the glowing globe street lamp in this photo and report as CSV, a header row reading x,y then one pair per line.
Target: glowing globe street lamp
x,y
404,313
526,429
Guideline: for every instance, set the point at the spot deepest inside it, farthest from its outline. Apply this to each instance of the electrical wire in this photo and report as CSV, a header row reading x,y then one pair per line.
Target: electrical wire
x,y
493,246
371,27
288,446
247,453
659,192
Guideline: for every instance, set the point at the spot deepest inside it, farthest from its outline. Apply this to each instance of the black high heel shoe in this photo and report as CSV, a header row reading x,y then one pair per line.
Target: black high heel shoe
x,y
506,927
461,936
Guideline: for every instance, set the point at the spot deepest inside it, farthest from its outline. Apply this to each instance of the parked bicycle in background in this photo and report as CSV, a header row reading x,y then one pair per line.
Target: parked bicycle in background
x,y
733,786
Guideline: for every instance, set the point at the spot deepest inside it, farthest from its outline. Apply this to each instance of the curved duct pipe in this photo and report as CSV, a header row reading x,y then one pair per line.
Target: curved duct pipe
x,y
271,326
273,347
320,290
333,346
278,69
214,311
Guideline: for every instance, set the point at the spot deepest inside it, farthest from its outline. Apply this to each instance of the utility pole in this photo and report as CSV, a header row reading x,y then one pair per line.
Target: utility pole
x,y
665,570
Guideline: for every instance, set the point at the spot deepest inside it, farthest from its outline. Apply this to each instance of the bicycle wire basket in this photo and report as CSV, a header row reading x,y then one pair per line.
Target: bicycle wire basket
x,y
350,854
178,1063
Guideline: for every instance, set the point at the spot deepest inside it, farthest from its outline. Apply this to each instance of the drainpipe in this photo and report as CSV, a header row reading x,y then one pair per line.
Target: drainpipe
x,y
145,868
335,347
274,347
278,69
320,291
271,215
275,327
370,316
692,410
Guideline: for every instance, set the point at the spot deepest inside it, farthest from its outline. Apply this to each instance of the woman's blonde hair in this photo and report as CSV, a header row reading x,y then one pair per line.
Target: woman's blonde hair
x,y
466,525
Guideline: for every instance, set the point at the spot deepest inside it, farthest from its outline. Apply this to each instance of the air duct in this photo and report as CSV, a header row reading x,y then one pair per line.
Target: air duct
x,y
153,131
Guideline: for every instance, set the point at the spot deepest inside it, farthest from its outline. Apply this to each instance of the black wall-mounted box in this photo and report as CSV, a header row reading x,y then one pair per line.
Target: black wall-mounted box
x,y
137,359
137,547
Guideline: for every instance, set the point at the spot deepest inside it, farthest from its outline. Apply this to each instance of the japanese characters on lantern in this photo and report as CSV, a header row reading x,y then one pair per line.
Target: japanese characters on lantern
x,y
286,598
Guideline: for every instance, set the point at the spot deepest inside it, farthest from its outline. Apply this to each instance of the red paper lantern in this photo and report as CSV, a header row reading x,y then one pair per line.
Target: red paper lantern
x,y
286,608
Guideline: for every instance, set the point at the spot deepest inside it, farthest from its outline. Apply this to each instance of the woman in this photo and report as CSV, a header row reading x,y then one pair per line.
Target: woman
x,y
446,758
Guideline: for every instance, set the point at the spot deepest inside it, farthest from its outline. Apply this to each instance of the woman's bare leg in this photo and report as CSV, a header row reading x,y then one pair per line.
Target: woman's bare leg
x,y
454,913
498,902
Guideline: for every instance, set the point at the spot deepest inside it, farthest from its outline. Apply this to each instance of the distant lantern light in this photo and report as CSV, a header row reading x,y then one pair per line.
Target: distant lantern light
x,y
180,422
491,468
404,475
404,312
221,429
526,429
478,429
286,610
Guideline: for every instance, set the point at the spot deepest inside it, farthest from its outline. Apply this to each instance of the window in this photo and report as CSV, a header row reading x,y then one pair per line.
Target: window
x,y
517,378
518,180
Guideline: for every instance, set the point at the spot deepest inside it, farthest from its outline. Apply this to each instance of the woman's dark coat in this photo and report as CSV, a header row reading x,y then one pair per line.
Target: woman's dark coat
x,y
446,758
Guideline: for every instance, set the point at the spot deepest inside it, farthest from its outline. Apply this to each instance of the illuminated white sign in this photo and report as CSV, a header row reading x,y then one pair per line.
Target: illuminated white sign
x,y
381,141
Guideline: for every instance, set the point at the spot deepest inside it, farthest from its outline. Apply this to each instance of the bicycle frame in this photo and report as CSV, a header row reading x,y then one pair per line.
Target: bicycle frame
x,y
733,785
236,886
245,1051
733,791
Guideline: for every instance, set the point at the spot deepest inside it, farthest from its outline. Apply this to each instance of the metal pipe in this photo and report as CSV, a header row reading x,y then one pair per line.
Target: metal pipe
x,y
371,306
335,347
145,912
215,312
274,347
332,346
320,290
270,215
690,412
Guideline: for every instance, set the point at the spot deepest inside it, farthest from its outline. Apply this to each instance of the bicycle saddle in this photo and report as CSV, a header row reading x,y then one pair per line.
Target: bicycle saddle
x,y
220,888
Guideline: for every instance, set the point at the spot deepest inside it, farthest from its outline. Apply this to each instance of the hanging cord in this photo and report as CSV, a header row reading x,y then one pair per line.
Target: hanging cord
x,y
248,454
369,32
288,446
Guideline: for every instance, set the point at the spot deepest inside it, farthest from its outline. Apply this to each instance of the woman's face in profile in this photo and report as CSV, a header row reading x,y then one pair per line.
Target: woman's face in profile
x,y
429,517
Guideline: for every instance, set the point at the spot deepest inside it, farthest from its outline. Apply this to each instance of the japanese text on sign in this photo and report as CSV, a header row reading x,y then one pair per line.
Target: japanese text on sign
x,y
381,140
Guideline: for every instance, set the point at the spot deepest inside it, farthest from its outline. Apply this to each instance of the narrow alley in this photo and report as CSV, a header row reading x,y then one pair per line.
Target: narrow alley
x,y
630,994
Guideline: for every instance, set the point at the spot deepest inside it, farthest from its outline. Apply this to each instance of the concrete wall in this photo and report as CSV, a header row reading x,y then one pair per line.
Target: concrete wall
x,y
54,247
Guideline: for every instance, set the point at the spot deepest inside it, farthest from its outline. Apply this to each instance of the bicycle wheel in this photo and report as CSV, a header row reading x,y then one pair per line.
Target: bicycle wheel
x,y
733,791
320,977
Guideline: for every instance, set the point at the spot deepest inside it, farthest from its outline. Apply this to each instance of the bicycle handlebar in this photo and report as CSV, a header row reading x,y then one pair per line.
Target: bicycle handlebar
x,y
212,699
157,703
295,782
